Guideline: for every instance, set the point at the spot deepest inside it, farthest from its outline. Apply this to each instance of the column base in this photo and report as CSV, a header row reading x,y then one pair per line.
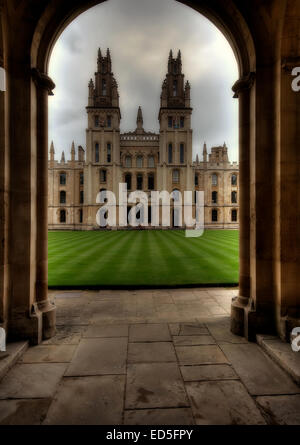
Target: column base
x,y
247,322
35,326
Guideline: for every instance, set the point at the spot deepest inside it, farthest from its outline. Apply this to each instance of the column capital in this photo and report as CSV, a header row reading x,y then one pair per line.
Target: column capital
x,y
244,83
42,81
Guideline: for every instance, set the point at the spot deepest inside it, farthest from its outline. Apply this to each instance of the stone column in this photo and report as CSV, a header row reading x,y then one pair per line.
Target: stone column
x,y
242,89
44,86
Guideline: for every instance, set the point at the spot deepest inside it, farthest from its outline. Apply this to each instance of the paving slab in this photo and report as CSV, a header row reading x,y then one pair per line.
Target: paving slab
x,y
220,329
258,372
29,381
176,416
208,372
112,330
149,333
188,329
98,356
49,354
193,340
88,401
10,357
69,335
222,403
281,410
200,355
23,411
151,352
155,385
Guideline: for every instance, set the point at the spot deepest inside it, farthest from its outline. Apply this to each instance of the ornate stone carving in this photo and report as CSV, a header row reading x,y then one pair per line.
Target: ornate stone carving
x,y
244,83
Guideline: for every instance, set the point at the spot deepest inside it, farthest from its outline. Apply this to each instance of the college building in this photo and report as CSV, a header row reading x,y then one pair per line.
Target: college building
x,y
145,161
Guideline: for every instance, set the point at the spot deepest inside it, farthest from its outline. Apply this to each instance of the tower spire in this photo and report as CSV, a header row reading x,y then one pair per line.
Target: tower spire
x,y
139,120
204,152
63,159
73,151
52,151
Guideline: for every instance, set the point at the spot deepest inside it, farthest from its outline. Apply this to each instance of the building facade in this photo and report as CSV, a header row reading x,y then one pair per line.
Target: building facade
x,y
144,160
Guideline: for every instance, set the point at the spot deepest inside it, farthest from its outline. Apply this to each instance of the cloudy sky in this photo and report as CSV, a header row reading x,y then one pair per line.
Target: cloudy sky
x,y
140,34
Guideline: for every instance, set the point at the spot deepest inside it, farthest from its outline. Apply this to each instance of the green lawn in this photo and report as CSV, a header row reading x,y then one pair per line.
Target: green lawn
x,y
142,258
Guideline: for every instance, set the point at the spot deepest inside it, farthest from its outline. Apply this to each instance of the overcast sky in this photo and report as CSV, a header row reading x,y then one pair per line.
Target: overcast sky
x,y
140,34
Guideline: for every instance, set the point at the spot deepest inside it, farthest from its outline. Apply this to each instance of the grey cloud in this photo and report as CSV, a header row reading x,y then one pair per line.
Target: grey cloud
x,y
140,34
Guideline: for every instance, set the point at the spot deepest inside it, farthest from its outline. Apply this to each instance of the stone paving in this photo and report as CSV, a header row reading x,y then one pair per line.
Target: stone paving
x,y
161,357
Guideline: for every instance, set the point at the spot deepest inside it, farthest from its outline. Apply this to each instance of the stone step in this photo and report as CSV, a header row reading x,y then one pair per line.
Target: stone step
x,y
282,354
8,359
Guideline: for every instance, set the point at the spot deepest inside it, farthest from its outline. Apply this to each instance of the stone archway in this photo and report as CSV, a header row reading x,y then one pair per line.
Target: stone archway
x,y
255,33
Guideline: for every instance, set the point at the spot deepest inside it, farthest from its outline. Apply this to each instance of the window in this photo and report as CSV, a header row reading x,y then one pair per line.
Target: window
x,y
62,178
214,179
175,88
170,121
139,162
234,180
96,121
81,197
170,154
151,161
214,215
175,176
108,152
109,121
62,197
128,181
102,175
62,216
214,197
81,178
196,180
128,161
234,197
139,182
151,182
97,152
80,216
181,153
103,87
234,215
181,122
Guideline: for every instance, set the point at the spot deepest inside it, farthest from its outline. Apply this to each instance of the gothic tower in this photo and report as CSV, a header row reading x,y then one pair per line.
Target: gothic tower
x,y
102,135
175,128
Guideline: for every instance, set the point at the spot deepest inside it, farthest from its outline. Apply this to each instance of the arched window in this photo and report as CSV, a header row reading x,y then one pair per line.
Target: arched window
x,y
214,179
151,162
234,180
214,215
81,178
97,152
62,178
102,175
182,122
109,121
62,197
214,197
108,152
80,216
103,87
170,121
234,215
139,162
96,121
175,176
181,153
170,154
151,181
175,88
128,180
196,180
81,197
234,197
139,181
62,216
128,161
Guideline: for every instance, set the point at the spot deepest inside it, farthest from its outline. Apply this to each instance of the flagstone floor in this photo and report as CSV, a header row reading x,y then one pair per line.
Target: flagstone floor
x,y
161,357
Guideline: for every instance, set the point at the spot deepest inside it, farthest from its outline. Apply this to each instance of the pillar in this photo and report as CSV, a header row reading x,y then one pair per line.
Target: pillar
x,y
242,90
